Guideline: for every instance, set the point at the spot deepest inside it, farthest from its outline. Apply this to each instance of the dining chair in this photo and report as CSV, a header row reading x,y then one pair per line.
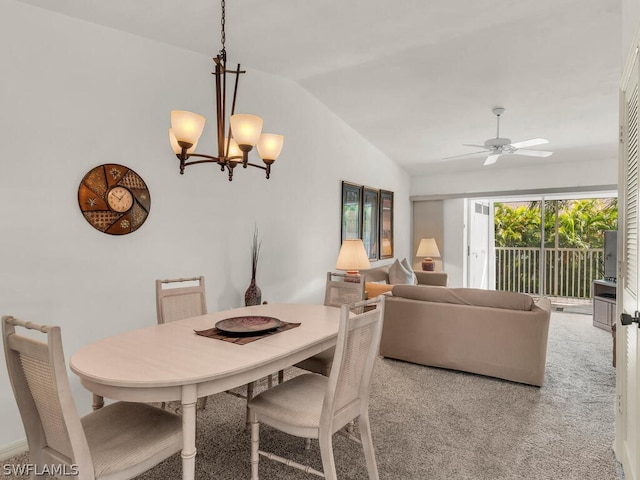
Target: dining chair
x,y
338,291
118,441
181,298
311,405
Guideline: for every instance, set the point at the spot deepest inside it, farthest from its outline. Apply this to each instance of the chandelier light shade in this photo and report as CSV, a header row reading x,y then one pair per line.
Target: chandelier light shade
x,y
352,257
244,130
177,148
270,146
187,127
428,249
233,150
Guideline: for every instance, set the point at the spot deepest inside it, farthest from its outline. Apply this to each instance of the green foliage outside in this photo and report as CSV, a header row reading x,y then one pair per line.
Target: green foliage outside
x,y
568,224
580,223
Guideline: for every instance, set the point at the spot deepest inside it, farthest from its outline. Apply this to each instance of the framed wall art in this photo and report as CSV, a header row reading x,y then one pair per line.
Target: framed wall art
x,y
351,211
370,218
386,224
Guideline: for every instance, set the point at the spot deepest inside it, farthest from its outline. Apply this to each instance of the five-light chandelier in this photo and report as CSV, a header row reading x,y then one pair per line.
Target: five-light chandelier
x,y
234,145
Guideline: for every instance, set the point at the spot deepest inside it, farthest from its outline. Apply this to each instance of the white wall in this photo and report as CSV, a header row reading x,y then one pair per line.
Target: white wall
x,y
559,176
455,241
630,16
75,95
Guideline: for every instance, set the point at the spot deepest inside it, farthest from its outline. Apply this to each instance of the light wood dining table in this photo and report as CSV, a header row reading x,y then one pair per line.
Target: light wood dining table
x,y
171,362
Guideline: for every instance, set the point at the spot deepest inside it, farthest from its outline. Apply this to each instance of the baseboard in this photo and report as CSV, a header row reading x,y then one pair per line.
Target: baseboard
x,y
13,448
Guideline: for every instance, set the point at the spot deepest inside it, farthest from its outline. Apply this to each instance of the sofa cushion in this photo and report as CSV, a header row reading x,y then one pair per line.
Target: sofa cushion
x,y
401,273
465,296
373,289
432,278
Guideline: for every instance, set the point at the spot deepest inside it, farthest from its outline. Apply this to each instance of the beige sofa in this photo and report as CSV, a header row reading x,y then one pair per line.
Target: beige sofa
x,y
377,280
498,334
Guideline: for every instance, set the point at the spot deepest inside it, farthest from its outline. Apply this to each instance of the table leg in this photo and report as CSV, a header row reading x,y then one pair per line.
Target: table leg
x,y
189,399
98,402
249,397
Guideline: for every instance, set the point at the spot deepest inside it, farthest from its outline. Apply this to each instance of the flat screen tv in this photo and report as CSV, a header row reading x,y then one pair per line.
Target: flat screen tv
x,y
610,255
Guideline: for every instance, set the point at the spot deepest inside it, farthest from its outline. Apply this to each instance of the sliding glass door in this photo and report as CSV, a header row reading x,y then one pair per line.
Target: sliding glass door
x,y
540,245
574,245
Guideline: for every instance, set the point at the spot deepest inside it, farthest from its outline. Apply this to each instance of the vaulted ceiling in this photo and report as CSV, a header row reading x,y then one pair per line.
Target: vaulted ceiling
x,y
417,78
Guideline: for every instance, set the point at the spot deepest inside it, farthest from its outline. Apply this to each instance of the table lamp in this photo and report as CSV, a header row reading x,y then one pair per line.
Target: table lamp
x,y
352,257
428,249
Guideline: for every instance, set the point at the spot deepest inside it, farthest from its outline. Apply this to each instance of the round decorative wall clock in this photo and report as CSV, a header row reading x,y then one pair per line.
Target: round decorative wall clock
x,y
114,199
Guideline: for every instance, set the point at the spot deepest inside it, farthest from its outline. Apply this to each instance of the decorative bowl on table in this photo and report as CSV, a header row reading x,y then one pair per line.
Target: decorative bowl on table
x,y
248,325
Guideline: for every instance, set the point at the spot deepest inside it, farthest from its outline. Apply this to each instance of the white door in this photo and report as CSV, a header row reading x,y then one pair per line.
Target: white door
x,y
478,243
627,361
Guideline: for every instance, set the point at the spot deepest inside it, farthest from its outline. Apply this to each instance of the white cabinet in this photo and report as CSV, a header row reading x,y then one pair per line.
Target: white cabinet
x,y
604,304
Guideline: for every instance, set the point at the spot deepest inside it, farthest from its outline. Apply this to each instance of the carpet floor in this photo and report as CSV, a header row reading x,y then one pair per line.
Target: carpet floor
x,y
437,424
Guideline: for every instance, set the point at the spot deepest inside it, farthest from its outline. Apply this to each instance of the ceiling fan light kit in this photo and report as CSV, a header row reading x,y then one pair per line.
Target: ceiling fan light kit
x,y
234,145
499,145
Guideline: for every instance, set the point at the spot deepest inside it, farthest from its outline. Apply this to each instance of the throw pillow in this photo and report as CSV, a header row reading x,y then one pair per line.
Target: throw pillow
x,y
373,289
407,267
399,274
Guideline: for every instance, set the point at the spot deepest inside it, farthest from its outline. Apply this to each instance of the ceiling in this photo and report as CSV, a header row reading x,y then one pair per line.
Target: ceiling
x,y
417,78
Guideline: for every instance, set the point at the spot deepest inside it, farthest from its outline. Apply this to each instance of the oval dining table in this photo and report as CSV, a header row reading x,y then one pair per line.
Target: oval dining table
x,y
170,361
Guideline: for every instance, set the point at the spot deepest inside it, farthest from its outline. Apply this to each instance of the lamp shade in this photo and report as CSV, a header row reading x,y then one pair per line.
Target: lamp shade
x,y
177,149
352,256
270,146
428,248
234,154
246,129
187,127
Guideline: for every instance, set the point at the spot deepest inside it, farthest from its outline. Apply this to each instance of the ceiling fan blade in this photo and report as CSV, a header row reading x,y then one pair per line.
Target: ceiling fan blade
x,y
491,159
465,154
474,145
533,153
530,143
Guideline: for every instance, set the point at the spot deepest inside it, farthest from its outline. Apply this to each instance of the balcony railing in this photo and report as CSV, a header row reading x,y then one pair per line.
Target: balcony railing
x,y
568,272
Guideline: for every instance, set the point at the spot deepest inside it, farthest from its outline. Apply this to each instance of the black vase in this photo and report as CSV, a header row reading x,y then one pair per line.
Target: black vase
x,y
253,295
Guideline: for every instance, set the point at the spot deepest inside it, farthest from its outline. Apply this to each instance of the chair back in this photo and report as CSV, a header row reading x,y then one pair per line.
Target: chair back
x,y
38,376
180,298
340,291
357,346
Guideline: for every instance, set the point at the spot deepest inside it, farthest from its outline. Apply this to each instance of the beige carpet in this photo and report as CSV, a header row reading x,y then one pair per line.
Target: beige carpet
x,y
436,424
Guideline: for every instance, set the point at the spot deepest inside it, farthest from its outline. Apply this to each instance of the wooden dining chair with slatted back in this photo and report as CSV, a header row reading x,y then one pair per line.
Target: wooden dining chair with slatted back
x,y
338,291
118,441
314,406
180,298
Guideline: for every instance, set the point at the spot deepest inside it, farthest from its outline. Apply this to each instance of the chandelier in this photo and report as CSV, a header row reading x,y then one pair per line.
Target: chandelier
x,y
244,131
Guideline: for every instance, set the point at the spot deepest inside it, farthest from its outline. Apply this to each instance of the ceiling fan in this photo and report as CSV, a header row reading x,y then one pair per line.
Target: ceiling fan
x,y
497,146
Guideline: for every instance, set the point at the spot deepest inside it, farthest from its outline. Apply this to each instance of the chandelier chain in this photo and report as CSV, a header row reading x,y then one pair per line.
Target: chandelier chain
x,y
222,32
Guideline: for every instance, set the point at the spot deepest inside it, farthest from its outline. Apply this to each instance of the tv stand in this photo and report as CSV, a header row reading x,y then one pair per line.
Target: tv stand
x,y
604,304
